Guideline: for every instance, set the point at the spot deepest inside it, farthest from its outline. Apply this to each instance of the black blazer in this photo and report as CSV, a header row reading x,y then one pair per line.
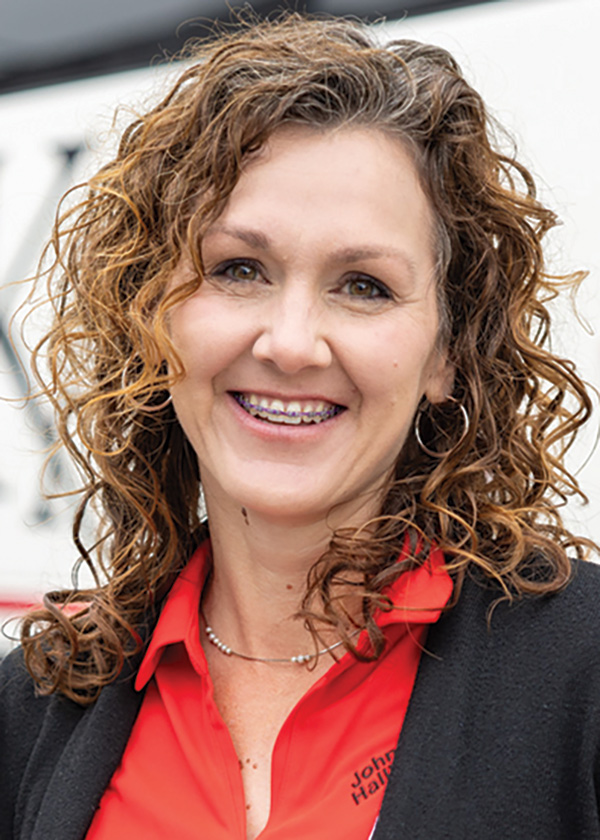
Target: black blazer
x,y
501,740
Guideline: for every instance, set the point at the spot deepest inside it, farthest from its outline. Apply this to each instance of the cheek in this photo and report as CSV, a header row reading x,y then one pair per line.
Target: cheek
x,y
206,337
390,366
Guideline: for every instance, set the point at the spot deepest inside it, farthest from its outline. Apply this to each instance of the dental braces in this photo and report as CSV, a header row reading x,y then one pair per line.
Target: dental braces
x,y
275,412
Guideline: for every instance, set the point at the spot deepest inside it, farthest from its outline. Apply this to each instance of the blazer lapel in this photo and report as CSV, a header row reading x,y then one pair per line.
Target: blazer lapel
x,y
86,765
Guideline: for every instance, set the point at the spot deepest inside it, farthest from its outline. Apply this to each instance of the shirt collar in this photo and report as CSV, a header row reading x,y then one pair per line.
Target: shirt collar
x,y
179,620
418,596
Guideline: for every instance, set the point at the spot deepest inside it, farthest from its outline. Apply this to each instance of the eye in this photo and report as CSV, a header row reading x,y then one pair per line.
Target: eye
x,y
238,271
366,287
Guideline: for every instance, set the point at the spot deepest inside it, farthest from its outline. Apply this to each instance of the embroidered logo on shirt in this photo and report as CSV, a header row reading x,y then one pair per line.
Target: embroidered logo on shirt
x,y
372,777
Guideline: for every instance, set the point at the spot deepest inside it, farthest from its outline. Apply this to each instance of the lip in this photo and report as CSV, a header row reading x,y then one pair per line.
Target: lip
x,y
291,397
282,431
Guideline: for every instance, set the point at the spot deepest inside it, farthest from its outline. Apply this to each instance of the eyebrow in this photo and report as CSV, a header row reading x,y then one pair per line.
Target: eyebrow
x,y
348,254
357,254
253,238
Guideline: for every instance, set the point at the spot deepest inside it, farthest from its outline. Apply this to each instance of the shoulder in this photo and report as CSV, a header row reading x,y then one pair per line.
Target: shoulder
x,y
582,592
573,613
567,617
45,749
19,701
18,694
23,717
24,713
546,642
506,705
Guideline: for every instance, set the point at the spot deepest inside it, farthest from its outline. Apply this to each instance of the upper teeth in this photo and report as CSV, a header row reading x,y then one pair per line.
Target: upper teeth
x,y
293,412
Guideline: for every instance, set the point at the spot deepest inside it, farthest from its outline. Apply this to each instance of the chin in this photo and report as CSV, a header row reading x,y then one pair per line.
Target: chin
x,y
287,506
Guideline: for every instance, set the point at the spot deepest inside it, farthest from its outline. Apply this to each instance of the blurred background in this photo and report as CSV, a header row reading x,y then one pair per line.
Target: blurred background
x,y
65,65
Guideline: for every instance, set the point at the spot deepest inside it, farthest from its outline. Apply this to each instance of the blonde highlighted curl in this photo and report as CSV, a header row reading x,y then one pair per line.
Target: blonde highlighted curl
x,y
491,499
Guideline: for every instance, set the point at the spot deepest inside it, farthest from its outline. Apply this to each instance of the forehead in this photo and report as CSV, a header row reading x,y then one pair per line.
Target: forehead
x,y
341,188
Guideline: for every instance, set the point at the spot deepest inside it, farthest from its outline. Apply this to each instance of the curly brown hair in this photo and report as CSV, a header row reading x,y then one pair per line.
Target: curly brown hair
x,y
489,495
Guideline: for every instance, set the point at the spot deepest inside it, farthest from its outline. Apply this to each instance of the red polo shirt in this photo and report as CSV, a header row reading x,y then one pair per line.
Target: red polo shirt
x,y
180,776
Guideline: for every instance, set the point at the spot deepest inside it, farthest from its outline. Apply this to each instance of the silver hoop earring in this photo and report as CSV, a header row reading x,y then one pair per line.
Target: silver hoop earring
x,y
431,452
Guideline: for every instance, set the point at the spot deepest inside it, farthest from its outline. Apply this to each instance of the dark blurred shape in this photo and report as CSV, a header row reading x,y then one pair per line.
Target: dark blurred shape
x,y
49,41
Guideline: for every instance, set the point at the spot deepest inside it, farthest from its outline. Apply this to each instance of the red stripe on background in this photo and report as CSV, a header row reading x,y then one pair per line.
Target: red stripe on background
x,y
15,604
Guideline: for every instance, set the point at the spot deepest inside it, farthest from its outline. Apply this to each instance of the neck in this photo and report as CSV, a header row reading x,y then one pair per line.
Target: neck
x,y
259,577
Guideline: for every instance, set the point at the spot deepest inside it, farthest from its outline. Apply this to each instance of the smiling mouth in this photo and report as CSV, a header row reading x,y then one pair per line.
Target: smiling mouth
x,y
291,413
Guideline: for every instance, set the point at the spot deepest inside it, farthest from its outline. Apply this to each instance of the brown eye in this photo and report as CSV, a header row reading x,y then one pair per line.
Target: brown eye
x,y
238,272
365,287
242,271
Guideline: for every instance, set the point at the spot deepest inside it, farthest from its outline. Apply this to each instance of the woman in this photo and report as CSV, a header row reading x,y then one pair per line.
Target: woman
x,y
307,299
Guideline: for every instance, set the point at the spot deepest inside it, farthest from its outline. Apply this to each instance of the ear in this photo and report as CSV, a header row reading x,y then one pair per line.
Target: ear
x,y
441,380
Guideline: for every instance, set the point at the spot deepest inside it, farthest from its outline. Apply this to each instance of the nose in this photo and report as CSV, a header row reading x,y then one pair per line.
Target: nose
x,y
292,335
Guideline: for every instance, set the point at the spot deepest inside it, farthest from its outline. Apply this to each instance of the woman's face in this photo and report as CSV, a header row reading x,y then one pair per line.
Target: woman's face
x,y
313,337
